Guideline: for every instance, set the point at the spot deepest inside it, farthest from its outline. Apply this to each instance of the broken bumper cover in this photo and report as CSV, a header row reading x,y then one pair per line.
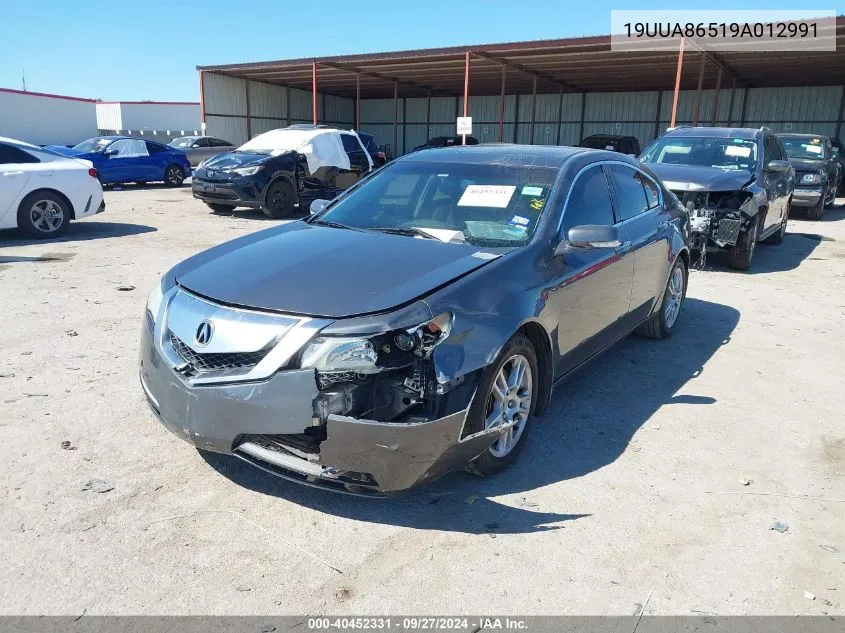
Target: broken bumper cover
x,y
359,456
806,197
235,194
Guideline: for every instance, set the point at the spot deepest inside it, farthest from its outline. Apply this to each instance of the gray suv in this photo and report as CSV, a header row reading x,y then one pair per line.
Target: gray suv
x,y
736,183
416,323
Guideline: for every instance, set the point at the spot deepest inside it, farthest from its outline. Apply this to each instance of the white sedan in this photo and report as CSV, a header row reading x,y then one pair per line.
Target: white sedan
x,y
41,191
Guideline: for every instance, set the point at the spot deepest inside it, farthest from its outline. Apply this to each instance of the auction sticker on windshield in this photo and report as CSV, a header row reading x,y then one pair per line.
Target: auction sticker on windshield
x,y
737,150
497,196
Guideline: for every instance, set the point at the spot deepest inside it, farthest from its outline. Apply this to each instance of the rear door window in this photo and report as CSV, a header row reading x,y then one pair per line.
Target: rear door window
x,y
630,193
12,155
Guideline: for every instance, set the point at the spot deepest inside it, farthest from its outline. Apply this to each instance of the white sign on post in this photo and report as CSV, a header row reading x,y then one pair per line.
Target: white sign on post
x,y
464,125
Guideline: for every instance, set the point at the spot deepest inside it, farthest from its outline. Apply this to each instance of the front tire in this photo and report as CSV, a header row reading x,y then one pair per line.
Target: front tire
x,y
43,214
174,176
816,212
739,257
507,393
279,201
662,323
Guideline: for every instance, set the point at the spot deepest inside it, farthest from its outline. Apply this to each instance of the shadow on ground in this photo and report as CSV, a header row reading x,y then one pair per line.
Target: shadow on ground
x,y
257,214
80,231
581,433
772,258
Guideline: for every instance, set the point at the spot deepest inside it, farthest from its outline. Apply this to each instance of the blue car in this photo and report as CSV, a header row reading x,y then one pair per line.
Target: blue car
x,y
124,159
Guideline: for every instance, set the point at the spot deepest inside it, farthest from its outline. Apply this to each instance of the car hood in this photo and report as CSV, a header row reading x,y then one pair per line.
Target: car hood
x,y
313,270
697,178
232,160
807,164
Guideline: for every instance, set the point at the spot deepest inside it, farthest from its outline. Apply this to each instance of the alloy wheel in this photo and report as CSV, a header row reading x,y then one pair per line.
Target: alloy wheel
x,y
509,402
47,216
674,297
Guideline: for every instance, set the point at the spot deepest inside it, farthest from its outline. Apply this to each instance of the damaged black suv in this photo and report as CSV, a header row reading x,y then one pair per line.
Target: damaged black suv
x,y
736,184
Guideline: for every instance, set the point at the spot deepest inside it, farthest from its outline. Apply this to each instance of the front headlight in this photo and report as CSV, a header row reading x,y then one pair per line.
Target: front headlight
x,y
247,171
153,304
340,354
811,179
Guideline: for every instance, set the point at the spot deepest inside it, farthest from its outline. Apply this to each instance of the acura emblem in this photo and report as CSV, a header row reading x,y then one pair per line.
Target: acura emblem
x,y
204,333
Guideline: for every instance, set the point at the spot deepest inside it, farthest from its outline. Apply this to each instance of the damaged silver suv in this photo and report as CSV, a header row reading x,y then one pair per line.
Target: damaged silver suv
x,y
736,183
417,323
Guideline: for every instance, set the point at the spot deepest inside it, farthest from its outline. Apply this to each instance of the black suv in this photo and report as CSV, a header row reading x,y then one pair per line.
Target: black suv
x,y
613,142
736,184
281,169
816,172
839,158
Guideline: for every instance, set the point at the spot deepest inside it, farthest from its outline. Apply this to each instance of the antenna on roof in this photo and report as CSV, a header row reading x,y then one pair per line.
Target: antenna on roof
x,y
23,79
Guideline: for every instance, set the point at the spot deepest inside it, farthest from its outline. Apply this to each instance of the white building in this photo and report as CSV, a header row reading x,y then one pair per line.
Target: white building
x,y
46,119
162,117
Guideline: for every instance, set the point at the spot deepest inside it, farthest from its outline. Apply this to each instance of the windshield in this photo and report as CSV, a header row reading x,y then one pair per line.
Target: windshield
x,y
804,147
185,141
484,205
93,145
724,153
278,141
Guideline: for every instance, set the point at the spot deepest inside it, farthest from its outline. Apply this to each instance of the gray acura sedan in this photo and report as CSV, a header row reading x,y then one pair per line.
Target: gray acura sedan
x,y
417,323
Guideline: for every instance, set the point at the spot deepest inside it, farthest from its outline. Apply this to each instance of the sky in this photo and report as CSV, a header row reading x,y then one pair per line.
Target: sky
x,y
149,50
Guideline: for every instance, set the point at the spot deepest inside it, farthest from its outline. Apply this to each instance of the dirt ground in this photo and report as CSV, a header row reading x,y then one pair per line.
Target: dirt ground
x,y
663,468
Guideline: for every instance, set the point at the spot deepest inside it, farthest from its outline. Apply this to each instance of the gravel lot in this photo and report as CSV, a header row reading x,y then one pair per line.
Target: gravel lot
x,y
663,468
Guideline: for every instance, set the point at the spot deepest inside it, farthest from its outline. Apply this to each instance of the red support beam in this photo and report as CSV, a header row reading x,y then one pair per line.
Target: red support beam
x,y
357,101
202,103
715,113
502,105
698,89
466,93
314,91
677,83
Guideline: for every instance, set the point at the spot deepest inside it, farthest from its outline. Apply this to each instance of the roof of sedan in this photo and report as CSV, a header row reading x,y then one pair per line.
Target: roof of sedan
x,y
715,132
535,155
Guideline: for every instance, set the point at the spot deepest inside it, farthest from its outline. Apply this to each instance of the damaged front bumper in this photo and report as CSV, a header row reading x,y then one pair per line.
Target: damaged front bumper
x,y
806,197
260,421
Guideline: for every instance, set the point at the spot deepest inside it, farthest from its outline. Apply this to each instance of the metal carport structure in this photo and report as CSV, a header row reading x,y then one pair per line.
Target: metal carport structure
x,y
566,67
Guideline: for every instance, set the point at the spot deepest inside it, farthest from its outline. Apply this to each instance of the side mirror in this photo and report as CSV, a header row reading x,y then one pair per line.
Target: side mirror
x,y
590,236
195,146
778,166
318,206
111,152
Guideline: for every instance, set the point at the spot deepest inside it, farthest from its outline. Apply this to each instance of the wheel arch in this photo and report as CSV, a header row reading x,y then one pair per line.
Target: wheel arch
x,y
541,341
282,176
53,191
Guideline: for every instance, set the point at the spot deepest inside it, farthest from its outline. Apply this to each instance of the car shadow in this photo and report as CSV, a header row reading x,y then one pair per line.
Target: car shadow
x,y
582,432
257,214
79,231
149,186
772,258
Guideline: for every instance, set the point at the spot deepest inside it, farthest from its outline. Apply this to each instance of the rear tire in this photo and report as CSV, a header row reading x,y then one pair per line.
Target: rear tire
x,y
43,214
279,201
662,323
816,212
739,257
220,208
516,400
174,176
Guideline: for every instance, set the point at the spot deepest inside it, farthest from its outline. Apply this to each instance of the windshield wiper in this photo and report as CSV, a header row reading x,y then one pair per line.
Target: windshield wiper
x,y
334,225
405,230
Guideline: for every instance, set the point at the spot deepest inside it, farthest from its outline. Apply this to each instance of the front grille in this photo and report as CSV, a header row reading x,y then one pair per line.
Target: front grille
x,y
216,362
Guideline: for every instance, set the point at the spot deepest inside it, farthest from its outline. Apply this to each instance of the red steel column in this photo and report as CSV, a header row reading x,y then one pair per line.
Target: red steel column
x,y
357,101
716,98
677,83
533,107
314,91
502,106
395,116
202,104
698,89
466,94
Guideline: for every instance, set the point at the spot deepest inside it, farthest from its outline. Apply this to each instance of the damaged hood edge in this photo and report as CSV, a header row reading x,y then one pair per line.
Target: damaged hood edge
x,y
695,178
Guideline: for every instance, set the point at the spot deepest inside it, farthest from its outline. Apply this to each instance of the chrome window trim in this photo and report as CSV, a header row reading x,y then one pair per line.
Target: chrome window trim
x,y
291,339
601,163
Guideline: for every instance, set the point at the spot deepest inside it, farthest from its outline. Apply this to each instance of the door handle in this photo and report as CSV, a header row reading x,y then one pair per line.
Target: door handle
x,y
624,246
13,173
